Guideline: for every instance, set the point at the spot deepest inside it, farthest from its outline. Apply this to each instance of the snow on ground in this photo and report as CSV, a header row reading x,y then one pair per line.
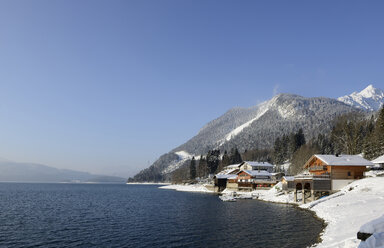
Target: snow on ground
x,y
188,188
374,173
285,166
274,195
345,212
148,183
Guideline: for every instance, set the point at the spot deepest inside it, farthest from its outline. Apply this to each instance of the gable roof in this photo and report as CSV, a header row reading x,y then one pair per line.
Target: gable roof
x,y
341,160
233,166
289,178
379,160
258,164
226,176
256,173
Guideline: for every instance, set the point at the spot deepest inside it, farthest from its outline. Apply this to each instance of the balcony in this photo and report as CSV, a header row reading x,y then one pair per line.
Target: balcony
x,y
313,177
318,168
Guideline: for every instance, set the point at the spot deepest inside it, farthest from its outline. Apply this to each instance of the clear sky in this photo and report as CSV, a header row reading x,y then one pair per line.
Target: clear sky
x,y
108,86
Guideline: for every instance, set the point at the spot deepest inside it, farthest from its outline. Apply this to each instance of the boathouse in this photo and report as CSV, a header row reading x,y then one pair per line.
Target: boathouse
x,y
222,181
288,183
329,173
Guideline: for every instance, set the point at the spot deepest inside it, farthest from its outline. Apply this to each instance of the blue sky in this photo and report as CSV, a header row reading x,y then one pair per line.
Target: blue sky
x,y
108,86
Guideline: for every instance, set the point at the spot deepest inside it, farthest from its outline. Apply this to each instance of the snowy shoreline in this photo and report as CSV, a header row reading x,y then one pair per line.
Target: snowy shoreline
x,y
343,213
187,188
148,183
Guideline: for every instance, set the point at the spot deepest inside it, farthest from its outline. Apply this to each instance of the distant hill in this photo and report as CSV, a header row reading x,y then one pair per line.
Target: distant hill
x,y
30,172
259,126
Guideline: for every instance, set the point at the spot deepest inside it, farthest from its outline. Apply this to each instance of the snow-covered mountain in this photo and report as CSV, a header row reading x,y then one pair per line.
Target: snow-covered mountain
x,y
259,126
370,99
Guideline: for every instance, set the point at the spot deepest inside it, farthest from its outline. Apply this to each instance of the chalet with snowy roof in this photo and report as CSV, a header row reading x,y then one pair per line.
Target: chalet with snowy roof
x,y
253,179
329,173
287,182
254,165
225,178
221,181
378,162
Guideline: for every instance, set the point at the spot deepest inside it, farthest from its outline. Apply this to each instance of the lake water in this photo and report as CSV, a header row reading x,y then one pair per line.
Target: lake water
x,y
116,215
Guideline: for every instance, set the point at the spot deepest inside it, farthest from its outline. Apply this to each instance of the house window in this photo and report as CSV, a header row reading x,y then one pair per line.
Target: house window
x,y
349,173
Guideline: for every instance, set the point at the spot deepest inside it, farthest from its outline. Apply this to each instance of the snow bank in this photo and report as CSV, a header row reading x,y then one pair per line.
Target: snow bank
x,y
376,240
374,226
187,188
274,195
346,211
374,173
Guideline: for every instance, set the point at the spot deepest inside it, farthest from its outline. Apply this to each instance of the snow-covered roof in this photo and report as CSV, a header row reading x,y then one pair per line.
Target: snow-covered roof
x,y
276,173
231,171
257,173
259,164
289,178
379,160
233,166
227,171
344,160
227,176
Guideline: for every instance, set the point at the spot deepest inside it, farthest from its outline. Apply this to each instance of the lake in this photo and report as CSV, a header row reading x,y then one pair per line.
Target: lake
x,y
119,215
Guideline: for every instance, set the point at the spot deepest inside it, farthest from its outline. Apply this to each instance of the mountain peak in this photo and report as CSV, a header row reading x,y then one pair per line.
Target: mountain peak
x,y
370,91
370,99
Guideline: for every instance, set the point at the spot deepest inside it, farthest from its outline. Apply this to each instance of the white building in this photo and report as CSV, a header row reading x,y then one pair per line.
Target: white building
x,y
379,162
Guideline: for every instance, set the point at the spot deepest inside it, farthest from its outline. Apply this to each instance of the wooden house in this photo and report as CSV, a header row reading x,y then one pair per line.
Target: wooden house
x,y
329,173
252,179
338,167
221,181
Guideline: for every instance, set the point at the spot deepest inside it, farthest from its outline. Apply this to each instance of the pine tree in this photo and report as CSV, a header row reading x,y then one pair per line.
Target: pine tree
x,y
235,157
300,138
202,170
374,145
213,160
379,132
225,161
278,152
192,169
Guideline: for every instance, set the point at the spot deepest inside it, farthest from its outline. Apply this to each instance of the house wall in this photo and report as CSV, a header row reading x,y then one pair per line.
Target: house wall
x,y
317,162
232,186
243,176
347,172
340,183
245,166
322,185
